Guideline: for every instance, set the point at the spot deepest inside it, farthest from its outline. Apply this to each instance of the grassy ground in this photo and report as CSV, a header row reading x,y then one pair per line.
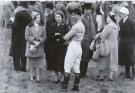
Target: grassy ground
x,y
18,82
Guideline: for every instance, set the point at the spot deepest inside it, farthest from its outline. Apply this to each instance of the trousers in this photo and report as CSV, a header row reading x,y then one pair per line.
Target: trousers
x,y
19,63
73,57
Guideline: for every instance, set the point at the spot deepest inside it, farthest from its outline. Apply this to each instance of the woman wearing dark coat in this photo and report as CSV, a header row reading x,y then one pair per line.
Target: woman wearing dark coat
x,y
18,43
127,42
58,49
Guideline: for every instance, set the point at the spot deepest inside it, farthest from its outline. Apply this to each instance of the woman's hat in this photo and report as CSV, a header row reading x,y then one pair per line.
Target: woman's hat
x,y
75,7
112,13
112,16
124,10
34,14
60,12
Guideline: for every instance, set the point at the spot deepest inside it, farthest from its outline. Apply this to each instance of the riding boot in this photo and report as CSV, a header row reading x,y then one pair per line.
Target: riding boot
x,y
76,82
66,81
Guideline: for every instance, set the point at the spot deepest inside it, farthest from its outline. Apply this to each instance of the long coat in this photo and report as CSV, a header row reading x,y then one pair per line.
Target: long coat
x,y
127,43
56,48
32,35
18,43
110,33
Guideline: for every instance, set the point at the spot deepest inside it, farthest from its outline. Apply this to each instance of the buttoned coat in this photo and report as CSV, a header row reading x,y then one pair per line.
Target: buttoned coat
x,y
127,43
30,35
55,47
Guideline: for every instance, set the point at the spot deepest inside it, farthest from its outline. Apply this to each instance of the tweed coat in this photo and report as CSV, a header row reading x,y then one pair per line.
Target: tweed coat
x,y
30,35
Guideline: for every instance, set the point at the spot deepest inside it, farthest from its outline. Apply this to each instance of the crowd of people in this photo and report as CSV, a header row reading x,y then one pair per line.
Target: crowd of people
x,y
70,34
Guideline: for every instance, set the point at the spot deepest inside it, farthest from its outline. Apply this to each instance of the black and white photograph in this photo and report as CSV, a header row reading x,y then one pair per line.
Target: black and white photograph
x,y
79,46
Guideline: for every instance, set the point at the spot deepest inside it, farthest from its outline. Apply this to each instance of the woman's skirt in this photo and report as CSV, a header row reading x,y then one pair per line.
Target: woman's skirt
x,y
36,62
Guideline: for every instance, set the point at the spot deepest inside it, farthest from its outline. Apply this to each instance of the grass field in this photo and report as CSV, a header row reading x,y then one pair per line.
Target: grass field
x,y
18,82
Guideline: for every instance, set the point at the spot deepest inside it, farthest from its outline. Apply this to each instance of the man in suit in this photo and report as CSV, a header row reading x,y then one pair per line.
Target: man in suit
x,y
127,42
18,43
49,20
87,39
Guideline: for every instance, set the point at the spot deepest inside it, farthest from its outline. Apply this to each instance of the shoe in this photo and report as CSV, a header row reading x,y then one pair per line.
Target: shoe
x,y
82,76
31,79
110,79
37,81
34,77
101,78
23,70
127,68
75,88
127,76
133,77
17,69
56,82
63,90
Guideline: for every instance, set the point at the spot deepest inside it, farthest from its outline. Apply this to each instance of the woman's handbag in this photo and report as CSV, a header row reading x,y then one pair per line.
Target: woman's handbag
x,y
96,55
33,49
95,47
92,45
104,48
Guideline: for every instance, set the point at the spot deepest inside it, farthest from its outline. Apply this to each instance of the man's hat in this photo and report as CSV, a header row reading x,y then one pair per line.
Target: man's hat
x,y
76,11
49,5
87,6
124,10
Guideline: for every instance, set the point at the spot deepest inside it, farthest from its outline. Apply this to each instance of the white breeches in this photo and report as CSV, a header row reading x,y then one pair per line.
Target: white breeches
x,y
73,57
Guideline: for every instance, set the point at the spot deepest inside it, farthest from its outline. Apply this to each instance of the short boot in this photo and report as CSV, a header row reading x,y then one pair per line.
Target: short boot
x,y
65,82
76,82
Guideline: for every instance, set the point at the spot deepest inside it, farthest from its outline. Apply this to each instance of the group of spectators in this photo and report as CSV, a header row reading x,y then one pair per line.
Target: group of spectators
x,y
70,34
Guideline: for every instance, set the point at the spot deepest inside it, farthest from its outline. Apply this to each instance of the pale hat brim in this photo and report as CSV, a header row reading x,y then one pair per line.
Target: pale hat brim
x,y
124,10
34,14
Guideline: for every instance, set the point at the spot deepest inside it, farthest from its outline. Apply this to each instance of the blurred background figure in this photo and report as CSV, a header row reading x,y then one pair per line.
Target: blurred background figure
x,y
6,10
18,42
99,16
37,6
